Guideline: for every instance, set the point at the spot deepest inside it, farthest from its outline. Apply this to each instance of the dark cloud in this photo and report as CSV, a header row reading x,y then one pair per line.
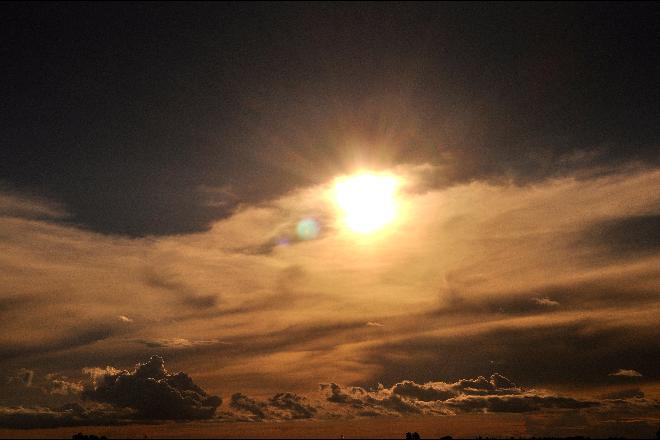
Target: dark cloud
x,y
26,389
361,401
293,405
629,393
68,415
250,109
625,237
22,376
632,417
497,394
183,292
547,299
241,402
517,403
153,393
338,395
282,406
75,338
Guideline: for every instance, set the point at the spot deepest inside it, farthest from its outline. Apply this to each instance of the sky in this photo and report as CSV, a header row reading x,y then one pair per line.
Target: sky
x,y
186,251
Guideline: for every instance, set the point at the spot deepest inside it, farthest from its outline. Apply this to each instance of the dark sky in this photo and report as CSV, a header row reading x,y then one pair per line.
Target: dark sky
x,y
130,114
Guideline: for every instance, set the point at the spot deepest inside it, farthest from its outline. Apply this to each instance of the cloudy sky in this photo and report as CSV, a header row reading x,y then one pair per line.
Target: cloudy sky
x,y
183,237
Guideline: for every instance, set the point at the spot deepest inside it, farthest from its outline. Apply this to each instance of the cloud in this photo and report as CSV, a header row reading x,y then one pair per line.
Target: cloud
x,y
374,324
153,392
185,293
178,343
243,403
18,205
149,392
67,415
291,406
23,376
425,392
546,302
123,318
626,373
523,403
497,394
621,414
58,384
26,388
97,374
75,338
455,283
282,406
625,236
629,393
563,348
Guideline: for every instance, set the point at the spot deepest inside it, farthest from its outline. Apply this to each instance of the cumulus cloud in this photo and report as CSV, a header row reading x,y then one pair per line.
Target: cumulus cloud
x,y
282,406
152,392
626,373
425,392
243,403
58,384
496,394
291,406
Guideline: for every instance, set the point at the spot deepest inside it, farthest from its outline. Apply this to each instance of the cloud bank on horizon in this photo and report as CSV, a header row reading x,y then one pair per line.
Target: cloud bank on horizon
x,y
150,393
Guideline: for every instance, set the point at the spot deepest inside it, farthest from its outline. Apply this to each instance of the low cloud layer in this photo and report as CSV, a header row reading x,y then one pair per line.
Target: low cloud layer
x,y
110,396
497,394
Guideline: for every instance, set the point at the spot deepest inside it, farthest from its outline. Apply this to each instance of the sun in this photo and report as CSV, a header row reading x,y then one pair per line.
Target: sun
x,y
367,201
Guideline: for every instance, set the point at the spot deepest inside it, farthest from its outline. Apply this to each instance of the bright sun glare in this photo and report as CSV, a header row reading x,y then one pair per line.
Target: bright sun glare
x,y
367,201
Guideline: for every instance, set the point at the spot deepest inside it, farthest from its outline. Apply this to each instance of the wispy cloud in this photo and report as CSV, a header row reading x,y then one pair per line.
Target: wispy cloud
x,y
466,265
626,373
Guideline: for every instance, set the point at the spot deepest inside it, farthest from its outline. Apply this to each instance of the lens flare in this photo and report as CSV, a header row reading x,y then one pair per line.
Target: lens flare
x,y
367,201
308,229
